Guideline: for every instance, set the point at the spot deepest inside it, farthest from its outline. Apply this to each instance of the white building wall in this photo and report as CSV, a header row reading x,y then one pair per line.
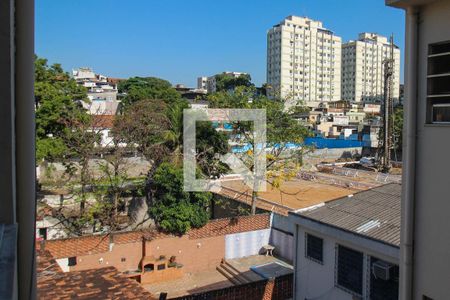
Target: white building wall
x,y
202,83
283,243
246,243
303,62
317,281
363,71
55,230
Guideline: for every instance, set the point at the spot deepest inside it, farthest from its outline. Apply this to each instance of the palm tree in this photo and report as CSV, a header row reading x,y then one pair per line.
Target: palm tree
x,y
173,137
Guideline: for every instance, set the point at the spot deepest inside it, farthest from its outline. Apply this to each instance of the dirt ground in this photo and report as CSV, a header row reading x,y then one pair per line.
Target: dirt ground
x,y
295,194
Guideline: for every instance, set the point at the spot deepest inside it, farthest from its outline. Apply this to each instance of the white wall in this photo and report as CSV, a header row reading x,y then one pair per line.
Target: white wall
x,y
432,183
317,281
245,243
314,280
284,244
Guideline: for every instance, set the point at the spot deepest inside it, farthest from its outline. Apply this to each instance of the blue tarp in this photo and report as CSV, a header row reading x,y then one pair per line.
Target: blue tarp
x,y
317,142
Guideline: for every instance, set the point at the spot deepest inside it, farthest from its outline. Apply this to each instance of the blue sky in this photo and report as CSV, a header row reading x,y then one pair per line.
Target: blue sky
x,y
179,40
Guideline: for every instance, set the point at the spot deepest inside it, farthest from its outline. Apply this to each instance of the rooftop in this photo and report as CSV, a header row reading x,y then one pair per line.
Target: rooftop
x,y
374,213
291,195
103,283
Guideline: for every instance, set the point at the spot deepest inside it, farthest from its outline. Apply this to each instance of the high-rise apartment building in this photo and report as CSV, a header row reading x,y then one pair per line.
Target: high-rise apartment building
x,y
363,69
304,62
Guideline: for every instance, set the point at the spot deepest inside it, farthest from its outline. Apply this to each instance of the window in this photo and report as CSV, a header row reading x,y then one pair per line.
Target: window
x,y
72,261
314,248
383,280
438,83
43,233
349,270
123,259
161,267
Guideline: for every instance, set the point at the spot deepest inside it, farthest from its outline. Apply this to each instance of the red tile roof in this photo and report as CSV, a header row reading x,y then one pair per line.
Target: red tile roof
x,y
103,283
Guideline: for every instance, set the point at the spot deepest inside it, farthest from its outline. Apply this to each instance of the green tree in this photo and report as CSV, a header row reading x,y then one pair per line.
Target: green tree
x,y
141,88
227,82
283,129
209,144
398,128
173,209
57,99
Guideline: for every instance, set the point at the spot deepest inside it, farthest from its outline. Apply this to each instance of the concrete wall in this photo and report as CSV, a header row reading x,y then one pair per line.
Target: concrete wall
x,y
334,153
132,252
282,236
284,244
246,243
54,172
196,255
432,183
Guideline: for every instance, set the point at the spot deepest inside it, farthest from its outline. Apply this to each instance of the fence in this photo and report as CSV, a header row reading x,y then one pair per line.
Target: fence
x,y
355,173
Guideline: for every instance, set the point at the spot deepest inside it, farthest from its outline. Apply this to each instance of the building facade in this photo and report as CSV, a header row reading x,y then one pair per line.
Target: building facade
x,y
363,71
101,92
202,83
424,260
348,248
303,62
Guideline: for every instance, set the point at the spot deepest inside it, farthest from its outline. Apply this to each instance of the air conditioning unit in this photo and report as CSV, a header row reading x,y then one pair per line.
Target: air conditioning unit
x,y
382,270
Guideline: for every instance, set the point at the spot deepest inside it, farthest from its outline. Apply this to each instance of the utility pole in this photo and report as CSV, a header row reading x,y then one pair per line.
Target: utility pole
x,y
385,142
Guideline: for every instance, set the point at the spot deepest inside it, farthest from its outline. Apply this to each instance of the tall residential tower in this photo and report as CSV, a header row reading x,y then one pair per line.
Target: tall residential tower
x,y
304,62
363,71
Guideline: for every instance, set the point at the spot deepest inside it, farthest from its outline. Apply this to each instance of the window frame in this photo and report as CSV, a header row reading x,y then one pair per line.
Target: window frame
x,y
307,255
336,277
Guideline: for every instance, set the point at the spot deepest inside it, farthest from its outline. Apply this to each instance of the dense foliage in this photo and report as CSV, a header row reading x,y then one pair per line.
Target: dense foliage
x,y
398,128
57,99
227,82
173,209
140,88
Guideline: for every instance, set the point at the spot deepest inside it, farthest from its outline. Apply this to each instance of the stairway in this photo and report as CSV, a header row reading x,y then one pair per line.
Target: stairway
x,y
233,274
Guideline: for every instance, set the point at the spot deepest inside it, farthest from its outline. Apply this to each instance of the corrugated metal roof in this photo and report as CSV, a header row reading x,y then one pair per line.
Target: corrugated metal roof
x,y
374,213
